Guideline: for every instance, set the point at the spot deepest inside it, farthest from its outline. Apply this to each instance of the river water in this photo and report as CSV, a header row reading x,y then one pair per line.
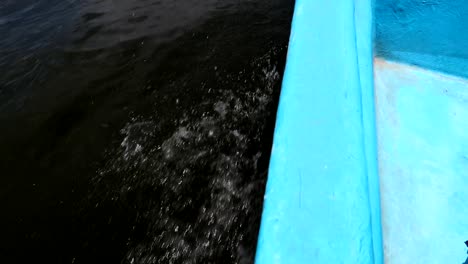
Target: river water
x,y
137,131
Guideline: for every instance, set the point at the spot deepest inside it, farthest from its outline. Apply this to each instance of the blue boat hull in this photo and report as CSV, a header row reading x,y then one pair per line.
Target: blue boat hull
x,y
370,156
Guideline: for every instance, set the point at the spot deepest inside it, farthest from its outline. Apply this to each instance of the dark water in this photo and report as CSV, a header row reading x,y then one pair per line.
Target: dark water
x,y
136,131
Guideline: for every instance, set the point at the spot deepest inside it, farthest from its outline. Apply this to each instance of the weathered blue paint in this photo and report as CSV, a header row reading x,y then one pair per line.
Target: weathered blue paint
x,y
429,33
324,202
321,202
422,119
422,129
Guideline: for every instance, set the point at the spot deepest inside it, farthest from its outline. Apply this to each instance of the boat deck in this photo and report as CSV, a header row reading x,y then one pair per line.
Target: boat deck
x,y
370,156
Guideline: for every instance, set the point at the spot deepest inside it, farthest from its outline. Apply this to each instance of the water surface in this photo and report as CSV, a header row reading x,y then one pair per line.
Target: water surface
x,y
137,131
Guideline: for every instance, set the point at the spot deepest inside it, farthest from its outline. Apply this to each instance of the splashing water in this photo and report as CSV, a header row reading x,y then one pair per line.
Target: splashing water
x,y
198,190
137,131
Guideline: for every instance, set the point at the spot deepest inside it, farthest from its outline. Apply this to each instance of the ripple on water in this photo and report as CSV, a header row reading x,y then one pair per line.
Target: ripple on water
x,y
137,130
202,182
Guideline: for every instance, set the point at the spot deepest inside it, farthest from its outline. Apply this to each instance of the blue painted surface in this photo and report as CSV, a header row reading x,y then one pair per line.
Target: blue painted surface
x,y
428,33
321,202
422,129
325,200
422,119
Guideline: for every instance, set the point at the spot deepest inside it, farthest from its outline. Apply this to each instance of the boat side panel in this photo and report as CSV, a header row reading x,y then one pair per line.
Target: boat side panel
x,y
318,205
